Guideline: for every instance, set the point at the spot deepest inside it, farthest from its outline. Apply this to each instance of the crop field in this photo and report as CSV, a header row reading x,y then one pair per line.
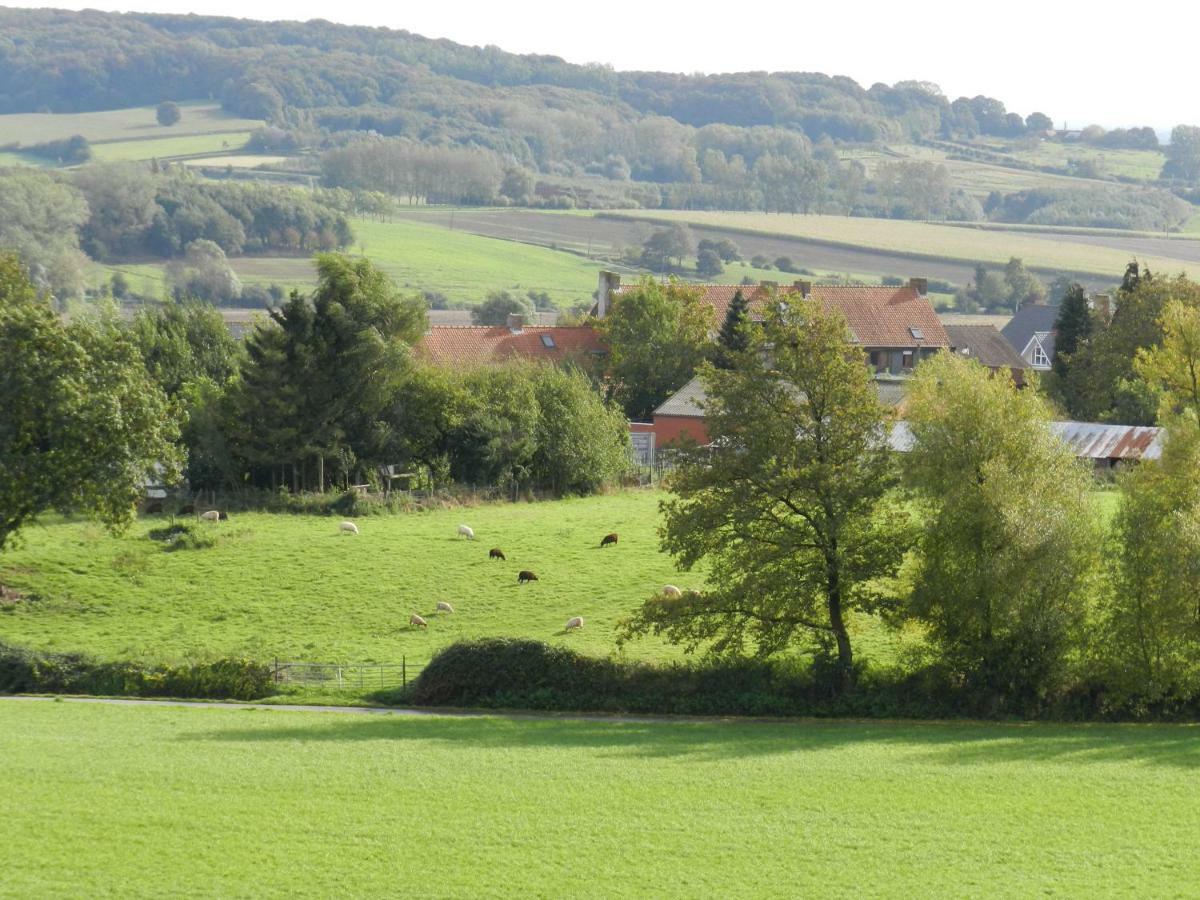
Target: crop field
x,y
236,161
926,240
169,147
976,176
120,124
153,801
1141,164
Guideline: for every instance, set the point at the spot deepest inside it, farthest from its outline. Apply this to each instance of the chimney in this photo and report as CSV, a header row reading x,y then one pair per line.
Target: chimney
x,y
609,282
769,286
804,287
1102,303
515,322
920,285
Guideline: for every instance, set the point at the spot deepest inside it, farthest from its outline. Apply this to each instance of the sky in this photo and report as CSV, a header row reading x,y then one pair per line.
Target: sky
x,y
1079,62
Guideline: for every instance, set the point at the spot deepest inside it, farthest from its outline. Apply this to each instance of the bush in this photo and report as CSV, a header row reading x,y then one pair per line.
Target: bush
x,y
179,536
26,671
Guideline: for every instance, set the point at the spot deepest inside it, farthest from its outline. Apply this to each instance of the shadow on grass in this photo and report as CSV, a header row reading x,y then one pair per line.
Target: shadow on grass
x,y
1176,746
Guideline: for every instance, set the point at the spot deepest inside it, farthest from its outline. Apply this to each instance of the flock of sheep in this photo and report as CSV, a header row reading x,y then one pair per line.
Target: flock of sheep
x,y
465,531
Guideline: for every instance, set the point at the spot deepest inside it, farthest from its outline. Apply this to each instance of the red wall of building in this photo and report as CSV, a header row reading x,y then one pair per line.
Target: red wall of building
x,y
672,429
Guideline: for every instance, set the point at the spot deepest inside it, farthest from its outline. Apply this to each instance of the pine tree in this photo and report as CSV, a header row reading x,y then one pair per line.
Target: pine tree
x,y
733,338
1072,327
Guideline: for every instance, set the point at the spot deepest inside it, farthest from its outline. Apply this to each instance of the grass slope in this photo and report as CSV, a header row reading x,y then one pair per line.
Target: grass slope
x,y
172,147
137,123
923,239
153,801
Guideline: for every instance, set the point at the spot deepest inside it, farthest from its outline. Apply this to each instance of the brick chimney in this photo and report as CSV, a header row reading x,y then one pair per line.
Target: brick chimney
x,y
609,283
516,322
769,286
804,287
1102,303
920,285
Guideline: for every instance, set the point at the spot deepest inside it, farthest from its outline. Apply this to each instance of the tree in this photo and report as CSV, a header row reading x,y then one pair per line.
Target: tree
x,y
657,335
1037,121
1008,535
204,274
582,441
666,244
734,337
167,113
708,264
183,342
1072,328
82,426
498,306
1183,154
1021,286
789,509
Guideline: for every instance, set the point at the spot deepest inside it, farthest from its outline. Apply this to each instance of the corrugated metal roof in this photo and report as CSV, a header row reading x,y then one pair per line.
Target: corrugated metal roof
x,y
1090,440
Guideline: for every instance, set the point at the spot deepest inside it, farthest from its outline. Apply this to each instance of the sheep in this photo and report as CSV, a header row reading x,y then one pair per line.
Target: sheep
x,y
417,622
348,528
576,622
223,517
608,539
443,606
525,575
497,553
670,590
211,516
465,531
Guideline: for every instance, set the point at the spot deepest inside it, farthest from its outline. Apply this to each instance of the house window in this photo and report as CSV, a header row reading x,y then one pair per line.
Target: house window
x,y
1040,359
906,359
548,341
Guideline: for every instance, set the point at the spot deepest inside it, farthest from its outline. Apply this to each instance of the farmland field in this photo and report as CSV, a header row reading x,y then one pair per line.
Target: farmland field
x,y
156,801
169,147
120,124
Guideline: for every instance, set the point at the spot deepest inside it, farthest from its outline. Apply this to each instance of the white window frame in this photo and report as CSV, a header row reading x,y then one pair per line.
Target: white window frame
x,y
1038,358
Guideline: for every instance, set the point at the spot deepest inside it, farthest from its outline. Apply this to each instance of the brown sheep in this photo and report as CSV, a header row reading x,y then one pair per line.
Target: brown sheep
x,y
525,575
497,553
417,622
608,539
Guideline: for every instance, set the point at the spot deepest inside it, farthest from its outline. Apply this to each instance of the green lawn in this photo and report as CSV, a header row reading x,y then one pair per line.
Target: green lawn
x,y
159,801
137,123
929,240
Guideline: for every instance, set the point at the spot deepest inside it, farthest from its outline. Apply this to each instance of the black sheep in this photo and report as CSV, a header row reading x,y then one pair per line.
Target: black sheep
x,y
496,553
525,575
608,539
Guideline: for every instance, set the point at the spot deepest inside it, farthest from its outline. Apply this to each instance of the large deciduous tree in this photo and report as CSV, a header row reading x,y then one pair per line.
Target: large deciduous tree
x,y
657,335
82,425
790,510
1008,535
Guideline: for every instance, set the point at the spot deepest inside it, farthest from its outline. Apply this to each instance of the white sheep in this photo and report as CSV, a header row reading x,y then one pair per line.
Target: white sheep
x,y
465,531
211,516
417,622
443,606
669,590
348,528
576,622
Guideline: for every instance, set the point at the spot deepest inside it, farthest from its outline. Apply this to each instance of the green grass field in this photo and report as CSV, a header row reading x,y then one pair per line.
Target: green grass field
x,y
155,801
120,124
929,240
170,147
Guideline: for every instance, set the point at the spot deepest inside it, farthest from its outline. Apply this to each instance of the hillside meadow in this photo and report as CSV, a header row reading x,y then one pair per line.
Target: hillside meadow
x,y
150,801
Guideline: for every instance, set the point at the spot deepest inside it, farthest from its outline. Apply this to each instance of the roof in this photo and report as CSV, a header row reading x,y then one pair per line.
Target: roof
x,y
474,345
1087,440
1093,441
986,344
463,317
1030,320
877,316
689,399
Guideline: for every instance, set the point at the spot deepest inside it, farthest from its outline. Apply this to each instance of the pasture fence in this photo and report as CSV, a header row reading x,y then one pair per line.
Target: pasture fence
x,y
345,675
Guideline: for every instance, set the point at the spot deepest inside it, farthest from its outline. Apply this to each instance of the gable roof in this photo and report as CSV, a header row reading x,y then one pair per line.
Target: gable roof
x,y
877,316
689,399
1029,321
986,344
476,345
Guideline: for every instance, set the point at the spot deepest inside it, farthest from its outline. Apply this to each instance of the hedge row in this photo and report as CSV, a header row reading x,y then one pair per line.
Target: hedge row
x,y
25,671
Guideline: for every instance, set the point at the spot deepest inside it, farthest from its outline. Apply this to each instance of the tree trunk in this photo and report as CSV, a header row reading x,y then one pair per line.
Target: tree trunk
x,y
320,474
833,597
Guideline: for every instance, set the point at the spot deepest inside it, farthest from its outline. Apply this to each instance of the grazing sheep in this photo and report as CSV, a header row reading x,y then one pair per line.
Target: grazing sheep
x,y
417,622
608,539
443,606
525,575
224,516
670,590
576,622
211,516
348,528
465,531
497,553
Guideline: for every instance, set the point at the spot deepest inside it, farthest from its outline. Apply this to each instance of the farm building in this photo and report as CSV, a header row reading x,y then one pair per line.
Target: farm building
x,y
477,345
1031,333
895,326
987,345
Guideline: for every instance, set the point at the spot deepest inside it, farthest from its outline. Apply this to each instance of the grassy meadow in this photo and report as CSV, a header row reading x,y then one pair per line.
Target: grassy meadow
x,y
924,239
137,123
153,801
171,147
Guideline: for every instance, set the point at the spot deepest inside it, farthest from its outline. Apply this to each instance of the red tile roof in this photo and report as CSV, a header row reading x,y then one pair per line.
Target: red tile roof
x,y
878,316
474,345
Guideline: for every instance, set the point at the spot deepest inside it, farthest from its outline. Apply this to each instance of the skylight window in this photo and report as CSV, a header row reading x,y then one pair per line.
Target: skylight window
x,y
917,333
548,341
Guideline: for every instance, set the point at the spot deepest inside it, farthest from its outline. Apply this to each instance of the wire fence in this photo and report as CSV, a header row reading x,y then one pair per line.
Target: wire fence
x,y
346,675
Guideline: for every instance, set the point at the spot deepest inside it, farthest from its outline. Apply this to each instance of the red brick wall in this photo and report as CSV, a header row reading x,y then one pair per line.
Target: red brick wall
x,y
671,429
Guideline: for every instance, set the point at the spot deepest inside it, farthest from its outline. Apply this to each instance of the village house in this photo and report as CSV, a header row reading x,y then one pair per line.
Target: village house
x,y
989,348
465,346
